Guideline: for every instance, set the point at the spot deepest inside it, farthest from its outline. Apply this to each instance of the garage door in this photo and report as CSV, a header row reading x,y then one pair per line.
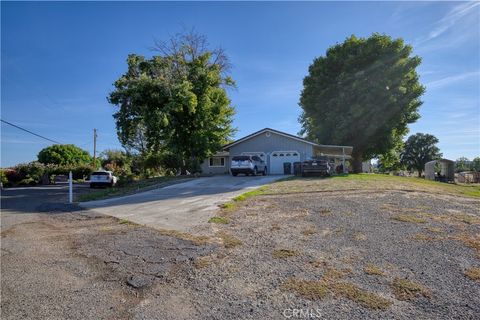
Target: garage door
x,y
277,158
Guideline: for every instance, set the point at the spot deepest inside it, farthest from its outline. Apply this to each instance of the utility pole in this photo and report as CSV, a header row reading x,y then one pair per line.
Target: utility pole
x,y
95,148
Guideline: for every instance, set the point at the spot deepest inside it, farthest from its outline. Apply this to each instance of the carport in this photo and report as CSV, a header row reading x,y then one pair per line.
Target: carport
x,y
338,153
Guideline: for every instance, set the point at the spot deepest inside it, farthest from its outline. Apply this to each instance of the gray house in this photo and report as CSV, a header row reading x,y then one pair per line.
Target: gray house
x,y
275,148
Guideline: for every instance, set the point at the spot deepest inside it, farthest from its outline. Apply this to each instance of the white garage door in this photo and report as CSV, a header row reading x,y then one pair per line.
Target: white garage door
x,y
277,158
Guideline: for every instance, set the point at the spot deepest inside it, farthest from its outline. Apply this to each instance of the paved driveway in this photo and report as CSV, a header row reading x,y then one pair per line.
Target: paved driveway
x,y
184,207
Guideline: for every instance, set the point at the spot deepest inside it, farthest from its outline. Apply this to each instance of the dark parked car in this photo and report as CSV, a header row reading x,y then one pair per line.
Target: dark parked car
x,y
317,166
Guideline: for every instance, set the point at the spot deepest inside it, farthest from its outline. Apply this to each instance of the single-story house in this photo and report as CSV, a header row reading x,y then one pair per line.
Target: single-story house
x,y
275,148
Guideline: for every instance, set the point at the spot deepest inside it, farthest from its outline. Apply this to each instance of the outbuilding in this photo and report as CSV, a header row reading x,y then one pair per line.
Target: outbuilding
x,y
275,148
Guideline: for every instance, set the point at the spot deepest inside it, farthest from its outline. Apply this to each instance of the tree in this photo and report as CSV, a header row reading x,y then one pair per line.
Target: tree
x,y
363,92
390,160
476,164
177,100
462,164
419,149
64,154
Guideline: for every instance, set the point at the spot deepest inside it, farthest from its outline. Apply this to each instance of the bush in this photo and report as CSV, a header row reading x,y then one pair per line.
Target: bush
x,y
27,182
33,170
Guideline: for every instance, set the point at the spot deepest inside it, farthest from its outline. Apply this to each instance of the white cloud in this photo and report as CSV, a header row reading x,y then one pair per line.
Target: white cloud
x,y
458,13
435,84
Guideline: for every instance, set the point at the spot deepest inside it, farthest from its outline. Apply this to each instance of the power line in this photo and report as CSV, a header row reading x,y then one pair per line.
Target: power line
x,y
11,124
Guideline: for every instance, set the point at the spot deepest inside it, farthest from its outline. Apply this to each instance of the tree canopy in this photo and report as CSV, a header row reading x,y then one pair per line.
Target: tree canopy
x,y
175,102
64,154
462,164
363,92
419,149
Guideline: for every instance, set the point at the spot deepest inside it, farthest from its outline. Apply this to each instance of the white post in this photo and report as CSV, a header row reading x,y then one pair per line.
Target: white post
x,y
70,187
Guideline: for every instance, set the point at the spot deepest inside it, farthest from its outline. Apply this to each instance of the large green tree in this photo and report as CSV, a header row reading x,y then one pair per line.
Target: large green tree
x,y
363,92
64,154
176,101
419,149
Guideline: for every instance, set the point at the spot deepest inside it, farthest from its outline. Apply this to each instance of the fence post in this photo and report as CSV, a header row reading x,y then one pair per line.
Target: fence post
x,y
70,187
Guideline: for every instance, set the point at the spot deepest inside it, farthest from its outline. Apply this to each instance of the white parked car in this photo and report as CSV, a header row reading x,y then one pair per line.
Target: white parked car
x,y
102,178
249,165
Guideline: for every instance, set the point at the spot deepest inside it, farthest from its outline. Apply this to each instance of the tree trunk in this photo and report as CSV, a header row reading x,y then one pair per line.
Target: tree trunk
x,y
419,173
357,161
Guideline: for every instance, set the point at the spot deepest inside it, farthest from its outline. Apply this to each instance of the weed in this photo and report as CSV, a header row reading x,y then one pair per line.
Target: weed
x,y
473,273
284,253
372,269
405,289
434,230
409,218
221,220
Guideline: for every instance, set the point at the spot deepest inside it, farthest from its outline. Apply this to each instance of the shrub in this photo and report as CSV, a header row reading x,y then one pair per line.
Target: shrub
x,y
33,170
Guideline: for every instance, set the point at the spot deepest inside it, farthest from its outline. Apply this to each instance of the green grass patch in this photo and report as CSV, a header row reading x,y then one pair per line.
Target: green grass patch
x,y
249,194
221,220
129,188
127,222
370,182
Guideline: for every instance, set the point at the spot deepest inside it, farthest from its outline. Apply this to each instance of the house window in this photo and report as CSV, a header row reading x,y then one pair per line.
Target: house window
x,y
217,162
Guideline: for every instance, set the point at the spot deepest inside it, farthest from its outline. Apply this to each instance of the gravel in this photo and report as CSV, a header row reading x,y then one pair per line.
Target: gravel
x,y
80,265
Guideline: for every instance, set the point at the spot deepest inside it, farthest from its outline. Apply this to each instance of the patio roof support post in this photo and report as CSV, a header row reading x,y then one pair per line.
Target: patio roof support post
x,y
343,160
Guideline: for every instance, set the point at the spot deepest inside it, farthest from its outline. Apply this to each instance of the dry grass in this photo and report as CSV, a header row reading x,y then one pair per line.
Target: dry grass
x,y
309,231
319,289
359,237
324,212
467,218
372,269
471,241
473,273
228,240
434,229
409,218
198,240
333,273
127,222
424,237
310,289
203,262
364,298
405,289
284,253
275,226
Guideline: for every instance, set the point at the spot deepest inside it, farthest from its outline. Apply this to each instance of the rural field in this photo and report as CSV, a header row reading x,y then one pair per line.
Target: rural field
x,y
359,246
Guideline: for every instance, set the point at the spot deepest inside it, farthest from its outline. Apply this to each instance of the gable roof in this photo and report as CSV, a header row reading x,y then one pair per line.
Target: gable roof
x,y
288,135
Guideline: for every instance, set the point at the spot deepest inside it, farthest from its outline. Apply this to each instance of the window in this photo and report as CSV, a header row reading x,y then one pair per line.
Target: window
x,y
217,162
274,155
281,154
294,154
288,154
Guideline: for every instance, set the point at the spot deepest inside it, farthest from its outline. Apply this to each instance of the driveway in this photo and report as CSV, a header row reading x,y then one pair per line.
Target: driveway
x,y
184,207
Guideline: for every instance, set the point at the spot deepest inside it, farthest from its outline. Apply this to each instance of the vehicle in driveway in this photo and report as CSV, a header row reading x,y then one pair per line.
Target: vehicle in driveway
x,y
102,178
249,165
317,166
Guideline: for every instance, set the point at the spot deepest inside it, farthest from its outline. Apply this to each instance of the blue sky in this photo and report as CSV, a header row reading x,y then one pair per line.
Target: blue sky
x,y
59,61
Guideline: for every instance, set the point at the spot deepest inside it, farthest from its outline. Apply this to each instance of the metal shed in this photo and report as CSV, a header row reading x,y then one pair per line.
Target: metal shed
x,y
440,170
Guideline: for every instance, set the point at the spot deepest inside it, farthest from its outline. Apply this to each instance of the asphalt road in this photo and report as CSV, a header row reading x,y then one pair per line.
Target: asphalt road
x,y
184,206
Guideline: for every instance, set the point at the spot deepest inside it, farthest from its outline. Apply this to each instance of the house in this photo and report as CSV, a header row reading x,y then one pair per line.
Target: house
x,y
275,148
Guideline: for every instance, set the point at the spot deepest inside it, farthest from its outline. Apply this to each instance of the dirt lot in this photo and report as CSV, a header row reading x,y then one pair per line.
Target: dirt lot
x,y
308,248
